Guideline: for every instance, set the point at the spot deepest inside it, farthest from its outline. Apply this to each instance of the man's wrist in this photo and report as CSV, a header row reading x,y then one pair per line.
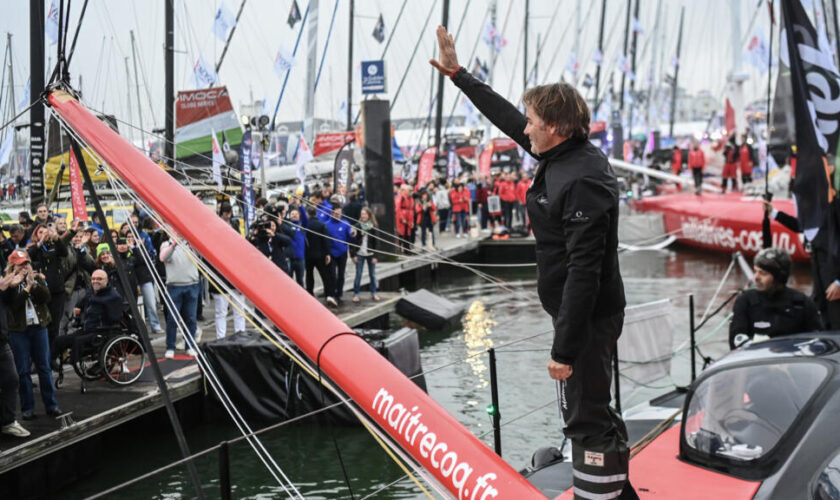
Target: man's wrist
x,y
454,72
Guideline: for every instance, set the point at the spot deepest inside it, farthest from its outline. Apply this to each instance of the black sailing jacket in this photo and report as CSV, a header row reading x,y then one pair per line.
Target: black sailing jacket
x,y
573,207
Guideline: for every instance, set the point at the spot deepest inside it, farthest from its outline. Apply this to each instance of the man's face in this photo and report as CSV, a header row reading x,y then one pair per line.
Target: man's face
x,y
42,212
764,281
16,236
542,136
336,213
294,216
135,221
98,280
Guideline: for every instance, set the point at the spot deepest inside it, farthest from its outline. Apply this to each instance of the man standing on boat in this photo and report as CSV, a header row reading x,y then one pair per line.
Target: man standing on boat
x,y
573,207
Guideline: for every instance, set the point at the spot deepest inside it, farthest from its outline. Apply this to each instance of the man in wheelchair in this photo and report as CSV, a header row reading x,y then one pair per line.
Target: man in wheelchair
x,y
100,310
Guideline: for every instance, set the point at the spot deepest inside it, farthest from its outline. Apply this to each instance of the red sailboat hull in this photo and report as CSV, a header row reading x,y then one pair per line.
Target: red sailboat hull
x,y
726,223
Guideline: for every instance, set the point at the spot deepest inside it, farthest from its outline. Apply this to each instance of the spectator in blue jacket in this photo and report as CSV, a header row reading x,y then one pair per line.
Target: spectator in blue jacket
x,y
340,233
297,262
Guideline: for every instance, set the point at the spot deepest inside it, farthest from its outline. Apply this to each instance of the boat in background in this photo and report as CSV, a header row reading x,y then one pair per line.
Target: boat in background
x,y
728,222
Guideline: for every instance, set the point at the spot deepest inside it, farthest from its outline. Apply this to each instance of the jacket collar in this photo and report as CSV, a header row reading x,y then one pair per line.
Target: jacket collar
x,y
560,149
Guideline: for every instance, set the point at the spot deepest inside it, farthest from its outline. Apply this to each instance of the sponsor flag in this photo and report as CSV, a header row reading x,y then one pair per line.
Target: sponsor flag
x,y
283,62
379,31
224,21
758,51
197,113
453,164
77,194
729,117
816,88
303,156
396,151
247,179
427,166
204,75
294,15
51,24
342,169
492,37
218,160
485,159
24,101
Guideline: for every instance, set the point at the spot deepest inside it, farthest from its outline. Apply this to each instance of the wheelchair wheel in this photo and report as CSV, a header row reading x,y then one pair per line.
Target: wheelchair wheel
x,y
123,360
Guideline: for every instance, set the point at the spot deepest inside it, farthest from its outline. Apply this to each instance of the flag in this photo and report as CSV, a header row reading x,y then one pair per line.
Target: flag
x,y
453,165
218,160
492,37
77,194
816,87
51,24
283,62
224,21
729,117
24,101
379,30
637,26
294,15
204,75
302,157
426,168
572,64
480,70
758,52
598,57
247,180
6,147
343,169
396,150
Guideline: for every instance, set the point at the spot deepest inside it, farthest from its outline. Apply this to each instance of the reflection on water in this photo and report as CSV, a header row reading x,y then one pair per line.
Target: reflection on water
x,y
478,324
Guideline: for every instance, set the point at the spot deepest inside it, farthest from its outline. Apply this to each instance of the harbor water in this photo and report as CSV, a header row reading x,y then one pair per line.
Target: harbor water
x,y
457,375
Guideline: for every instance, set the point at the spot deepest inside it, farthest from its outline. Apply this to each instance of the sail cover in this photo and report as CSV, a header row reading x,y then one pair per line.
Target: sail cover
x,y
456,458
197,114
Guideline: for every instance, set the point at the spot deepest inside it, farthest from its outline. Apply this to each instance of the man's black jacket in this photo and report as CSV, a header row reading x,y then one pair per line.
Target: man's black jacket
x,y
573,207
101,309
783,312
317,244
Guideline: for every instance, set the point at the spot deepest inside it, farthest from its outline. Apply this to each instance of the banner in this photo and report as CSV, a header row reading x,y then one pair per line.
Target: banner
x,y
247,181
197,114
729,117
427,166
77,194
816,105
224,21
343,170
283,62
324,143
484,161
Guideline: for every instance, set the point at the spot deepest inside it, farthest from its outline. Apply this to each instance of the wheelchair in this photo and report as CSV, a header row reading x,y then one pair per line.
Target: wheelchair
x,y
114,353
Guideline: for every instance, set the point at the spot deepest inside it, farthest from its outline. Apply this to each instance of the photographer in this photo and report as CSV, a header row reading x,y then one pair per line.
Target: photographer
x,y
47,252
270,242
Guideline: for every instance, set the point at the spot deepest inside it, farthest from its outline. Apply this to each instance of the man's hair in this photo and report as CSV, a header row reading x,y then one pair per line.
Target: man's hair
x,y
560,105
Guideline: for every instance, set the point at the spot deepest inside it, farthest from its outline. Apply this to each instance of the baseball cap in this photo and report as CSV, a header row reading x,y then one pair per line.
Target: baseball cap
x,y
18,257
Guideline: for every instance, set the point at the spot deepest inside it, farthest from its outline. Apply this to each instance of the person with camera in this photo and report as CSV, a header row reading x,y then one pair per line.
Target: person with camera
x,y
27,311
340,234
48,253
270,242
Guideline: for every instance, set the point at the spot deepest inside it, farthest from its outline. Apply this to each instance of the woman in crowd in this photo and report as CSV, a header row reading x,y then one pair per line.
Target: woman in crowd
x,y
426,218
365,252
27,311
460,208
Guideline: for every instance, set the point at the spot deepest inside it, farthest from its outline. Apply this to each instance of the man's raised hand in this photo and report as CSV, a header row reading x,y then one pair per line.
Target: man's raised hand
x,y
448,62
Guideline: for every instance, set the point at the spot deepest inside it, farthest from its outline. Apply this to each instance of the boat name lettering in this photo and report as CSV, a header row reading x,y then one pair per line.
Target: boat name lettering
x,y
201,95
406,423
707,232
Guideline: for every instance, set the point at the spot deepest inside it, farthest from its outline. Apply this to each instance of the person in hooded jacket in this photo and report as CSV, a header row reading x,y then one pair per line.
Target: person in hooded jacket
x,y
573,207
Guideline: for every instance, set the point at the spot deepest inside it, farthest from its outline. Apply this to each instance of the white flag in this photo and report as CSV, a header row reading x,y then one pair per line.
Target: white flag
x,y
637,27
24,101
203,74
51,24
223,22
283,62
303,156
572,64
6,148
758,51
492,37
598,57
218,159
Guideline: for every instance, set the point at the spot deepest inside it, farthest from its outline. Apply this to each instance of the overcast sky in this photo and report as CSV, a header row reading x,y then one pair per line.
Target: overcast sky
x,y
105,42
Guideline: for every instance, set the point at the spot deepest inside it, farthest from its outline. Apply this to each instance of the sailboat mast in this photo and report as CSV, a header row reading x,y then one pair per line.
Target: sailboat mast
x,y
600,63
525,51
12,101
137,90
128,99
169,97
311,62
37,143
439,103
676,75
491,64
350,67
633,70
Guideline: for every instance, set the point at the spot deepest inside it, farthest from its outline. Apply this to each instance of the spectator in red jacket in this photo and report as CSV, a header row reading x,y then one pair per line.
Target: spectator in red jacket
x,y
697,163
460,198
745,158
482,191
521,205
506,190
676,163
404,214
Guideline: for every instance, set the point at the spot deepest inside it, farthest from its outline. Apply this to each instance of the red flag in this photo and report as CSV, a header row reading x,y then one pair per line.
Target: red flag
x,y
77,194
729,117
426,167
484,160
